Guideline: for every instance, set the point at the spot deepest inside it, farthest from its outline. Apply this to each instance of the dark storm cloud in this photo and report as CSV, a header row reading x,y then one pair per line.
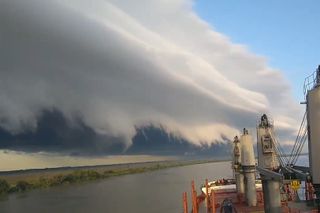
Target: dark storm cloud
x,y
116,67
55,134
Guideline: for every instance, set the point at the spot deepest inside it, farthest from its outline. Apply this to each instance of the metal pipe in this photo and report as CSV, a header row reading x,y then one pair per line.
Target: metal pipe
x,y
250,186
192,196
213,204
207,196
239,182
306,186
272,199
185,203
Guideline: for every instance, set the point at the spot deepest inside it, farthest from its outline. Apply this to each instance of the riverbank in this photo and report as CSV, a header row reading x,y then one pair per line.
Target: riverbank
x,y
24,180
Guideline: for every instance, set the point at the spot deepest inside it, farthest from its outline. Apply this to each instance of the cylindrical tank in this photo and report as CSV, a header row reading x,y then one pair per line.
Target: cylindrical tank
x,y
250,187
247,154
239,182
313,116
248,167
271,196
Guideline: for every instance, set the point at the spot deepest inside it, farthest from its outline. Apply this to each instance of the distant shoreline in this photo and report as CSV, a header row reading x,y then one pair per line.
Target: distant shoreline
x,y
105,166
24,180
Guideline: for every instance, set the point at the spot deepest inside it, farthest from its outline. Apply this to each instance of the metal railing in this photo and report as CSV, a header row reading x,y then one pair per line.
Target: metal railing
x,y
311,81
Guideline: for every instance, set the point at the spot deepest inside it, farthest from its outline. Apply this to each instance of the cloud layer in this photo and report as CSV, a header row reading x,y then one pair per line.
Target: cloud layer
x,y
117,65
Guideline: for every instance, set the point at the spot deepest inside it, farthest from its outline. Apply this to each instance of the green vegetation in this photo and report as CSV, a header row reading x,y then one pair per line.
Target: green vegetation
x,y
4,187
21,186
78,176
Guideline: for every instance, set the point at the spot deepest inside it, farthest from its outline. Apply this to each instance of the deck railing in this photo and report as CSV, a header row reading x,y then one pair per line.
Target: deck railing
x,y
310,82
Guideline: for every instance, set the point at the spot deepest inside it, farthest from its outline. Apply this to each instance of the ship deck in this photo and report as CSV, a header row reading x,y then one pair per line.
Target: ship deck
x,y
229,192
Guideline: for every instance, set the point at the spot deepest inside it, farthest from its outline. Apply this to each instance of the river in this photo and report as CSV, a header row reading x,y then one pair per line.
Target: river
x,y
151,192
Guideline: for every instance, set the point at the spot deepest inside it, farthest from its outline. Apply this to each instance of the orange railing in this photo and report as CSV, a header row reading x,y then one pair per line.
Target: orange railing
x,y
197,200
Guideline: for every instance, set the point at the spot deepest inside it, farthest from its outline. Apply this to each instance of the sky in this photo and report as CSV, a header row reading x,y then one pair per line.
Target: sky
x,y
285,32
200,70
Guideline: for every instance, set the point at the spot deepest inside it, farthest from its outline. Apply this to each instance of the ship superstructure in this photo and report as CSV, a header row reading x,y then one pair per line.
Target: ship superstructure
x,y
273,184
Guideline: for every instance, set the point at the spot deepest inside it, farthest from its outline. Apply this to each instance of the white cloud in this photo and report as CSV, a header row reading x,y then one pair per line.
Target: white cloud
x,y
120,64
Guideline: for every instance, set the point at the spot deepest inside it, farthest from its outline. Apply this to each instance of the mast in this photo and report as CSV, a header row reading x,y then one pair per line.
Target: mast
x,y
267,165
238,173
267,155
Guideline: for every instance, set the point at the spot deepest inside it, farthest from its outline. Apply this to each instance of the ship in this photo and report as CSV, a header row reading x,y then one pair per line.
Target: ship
x,y
270,181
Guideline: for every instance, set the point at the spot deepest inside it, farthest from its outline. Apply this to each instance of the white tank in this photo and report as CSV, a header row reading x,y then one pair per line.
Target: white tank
x,y
250,187
313,110
248,168
247,154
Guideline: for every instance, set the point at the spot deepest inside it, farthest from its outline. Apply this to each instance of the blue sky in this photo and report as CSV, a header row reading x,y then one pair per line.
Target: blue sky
x,y
286,32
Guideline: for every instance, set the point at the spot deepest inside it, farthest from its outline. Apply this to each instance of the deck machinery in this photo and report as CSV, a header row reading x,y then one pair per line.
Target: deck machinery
x,y
272,184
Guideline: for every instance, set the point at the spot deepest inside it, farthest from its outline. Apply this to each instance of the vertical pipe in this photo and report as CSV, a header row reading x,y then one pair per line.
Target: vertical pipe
x,y
192,195
240,182
240,185
186,196
272,199
250,187
207,196
195,202
249,168
213,204
185,203
194,198
306,189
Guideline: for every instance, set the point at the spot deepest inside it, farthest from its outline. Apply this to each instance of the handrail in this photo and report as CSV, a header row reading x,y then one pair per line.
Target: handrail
x,y
311,81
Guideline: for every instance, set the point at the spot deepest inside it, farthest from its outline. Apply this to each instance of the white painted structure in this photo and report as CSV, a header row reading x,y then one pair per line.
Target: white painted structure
x,y
247,153
267,159
313,116
238,172
248,167
267,155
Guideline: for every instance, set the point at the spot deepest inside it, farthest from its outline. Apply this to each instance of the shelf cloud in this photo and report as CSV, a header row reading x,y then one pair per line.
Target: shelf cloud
x,y
118,65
